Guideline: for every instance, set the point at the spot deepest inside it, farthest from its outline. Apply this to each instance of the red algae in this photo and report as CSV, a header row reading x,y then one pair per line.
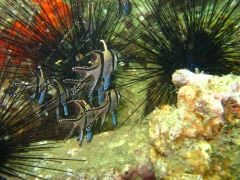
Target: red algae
x,y
51,14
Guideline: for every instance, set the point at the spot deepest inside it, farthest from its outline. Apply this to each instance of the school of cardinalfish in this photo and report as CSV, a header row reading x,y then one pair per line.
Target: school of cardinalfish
x,y
93,78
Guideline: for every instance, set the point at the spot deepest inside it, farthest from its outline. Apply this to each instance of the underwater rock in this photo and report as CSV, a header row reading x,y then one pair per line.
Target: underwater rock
x,y
195,138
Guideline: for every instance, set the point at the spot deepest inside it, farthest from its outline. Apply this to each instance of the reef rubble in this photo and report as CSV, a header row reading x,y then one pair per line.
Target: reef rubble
x,y
198,138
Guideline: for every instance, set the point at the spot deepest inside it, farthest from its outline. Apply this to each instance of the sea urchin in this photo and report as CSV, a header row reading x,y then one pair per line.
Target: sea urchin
x,y
196,35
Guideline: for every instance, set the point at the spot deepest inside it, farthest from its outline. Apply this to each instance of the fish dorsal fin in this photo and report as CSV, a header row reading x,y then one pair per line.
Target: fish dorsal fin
x,y
106,52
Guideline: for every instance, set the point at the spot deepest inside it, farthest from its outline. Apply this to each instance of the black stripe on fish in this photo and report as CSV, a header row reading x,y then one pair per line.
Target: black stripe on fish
x,y
118,95
114,60
102,65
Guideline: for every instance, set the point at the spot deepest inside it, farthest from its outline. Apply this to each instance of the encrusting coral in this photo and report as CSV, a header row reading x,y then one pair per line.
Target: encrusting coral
x,y
197,138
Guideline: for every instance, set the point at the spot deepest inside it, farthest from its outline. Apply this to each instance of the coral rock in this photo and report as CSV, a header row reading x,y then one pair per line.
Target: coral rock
x,y
191,137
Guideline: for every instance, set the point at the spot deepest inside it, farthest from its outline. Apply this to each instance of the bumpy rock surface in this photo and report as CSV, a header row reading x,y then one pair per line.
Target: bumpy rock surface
x,y
200,137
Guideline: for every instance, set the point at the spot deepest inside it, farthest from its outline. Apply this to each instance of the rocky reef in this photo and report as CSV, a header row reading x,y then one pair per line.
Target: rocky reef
x,y
198,138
